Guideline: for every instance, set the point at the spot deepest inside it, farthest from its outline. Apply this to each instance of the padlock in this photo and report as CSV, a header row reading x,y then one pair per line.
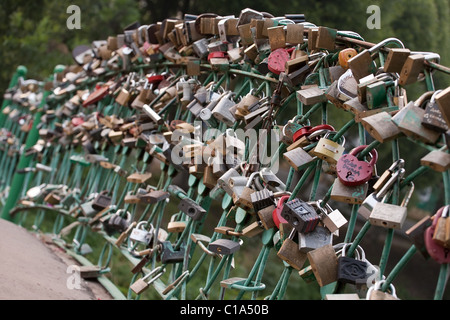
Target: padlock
x,y
391,216
437,252
290,252
372,199
345,55
102,201
332,219
411,70
443,101
142,284
432,118
381,127
222,110
191,209
437,160
224,246
409,121
375,293
117,223
311,96
324,263
351,270
416,235
140,234
223,181
395,60
326,38
262,199
87,209
346,194
170,255
441,233
328,150
300,215
244,200
315,239
277,59
351,171
298,158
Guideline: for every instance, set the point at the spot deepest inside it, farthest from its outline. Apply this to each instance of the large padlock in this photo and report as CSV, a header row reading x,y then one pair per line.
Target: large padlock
x,y
300,215
329,150
346,194
351,270
262,199
381,127
315,239
298,158
351,171
409,121
411,69
324,263
224,246
432,118
375,197
391,216
441,233
222,110
439,253
437,160
290,252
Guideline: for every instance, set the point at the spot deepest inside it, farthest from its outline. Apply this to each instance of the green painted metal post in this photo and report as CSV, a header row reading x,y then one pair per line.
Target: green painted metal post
x,y
18,179
21,72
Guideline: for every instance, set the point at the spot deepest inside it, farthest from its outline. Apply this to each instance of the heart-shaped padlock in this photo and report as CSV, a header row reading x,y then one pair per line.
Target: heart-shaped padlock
x,y
439,253
276,214
353,172
277,60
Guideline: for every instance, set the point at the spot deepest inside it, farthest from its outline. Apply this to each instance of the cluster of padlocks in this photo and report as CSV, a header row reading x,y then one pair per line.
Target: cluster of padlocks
x,y
207,96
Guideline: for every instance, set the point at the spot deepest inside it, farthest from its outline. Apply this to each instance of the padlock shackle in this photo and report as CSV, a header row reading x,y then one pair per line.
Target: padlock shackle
x,y
388,185
386,42
373,153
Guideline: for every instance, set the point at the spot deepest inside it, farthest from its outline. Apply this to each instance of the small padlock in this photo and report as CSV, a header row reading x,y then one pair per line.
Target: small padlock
x,y
441,233
298,158
300,215
244,200
439,253
328,150
375,293
222,110
262,199
443,100
351,171
346,194
102,201
142,284
139,234
290,252
192,209
332,219
432,118
437,160
391,216
170,255
351,270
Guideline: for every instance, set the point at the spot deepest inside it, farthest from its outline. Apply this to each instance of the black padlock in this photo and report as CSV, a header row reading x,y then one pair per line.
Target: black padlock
x,y
300,215
262,199
169,255
224,246
116,223
102,201
351,270
191,208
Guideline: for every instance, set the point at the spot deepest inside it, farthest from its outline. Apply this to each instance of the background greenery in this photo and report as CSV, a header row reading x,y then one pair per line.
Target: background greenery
x,y
34,34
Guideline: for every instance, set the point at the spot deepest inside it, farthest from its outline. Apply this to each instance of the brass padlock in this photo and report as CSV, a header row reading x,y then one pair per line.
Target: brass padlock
x,y
389,215
441,234
328,150
142,284
411,70
381,127
298,158
432,118
443,101
324,264
290,252
395,60
332,219
437,160
375,293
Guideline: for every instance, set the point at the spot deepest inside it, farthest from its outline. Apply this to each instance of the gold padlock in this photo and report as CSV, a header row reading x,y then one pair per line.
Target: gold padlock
x,y
328,150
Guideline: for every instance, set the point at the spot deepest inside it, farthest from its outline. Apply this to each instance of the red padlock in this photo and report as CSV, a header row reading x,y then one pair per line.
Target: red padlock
x,y
277,60
276,214
353,172
301,132
96,96
217,54
76,121
439,253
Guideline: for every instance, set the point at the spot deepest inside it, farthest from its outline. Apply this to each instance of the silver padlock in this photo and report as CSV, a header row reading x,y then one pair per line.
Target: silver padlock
x,y
222,110
223,181
140,234
315,239
332,219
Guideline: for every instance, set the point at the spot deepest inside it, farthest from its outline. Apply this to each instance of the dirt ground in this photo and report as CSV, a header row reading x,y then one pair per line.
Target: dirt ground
x,y
30,269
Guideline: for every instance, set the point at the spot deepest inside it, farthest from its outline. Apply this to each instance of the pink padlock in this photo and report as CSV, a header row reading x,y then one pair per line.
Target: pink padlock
x,y
436,251
353,172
